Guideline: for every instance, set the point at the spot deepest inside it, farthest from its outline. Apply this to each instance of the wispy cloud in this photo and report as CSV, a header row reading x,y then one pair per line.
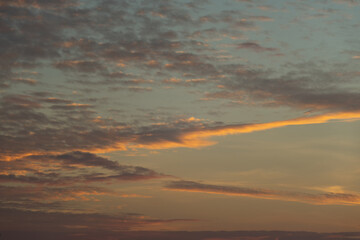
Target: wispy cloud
x,y
329,198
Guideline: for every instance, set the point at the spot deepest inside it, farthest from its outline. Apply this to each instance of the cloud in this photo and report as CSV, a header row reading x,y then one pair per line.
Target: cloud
x,y
70,127
179,235
303,87
311,198
76,39
261,18
80,66
84,224
255,47
21,101
28,81
71,182
52,4
349,2
70,168
50,140
198,136
31,197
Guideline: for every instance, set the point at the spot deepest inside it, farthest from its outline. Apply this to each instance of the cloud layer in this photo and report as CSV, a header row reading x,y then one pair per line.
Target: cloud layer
x,y
80,79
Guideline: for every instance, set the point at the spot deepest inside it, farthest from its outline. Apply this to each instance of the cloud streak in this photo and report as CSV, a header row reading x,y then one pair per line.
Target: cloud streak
x,y
197,137
310,198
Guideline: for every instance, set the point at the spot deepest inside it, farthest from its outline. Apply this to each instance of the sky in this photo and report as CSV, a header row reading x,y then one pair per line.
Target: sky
x,y
195,119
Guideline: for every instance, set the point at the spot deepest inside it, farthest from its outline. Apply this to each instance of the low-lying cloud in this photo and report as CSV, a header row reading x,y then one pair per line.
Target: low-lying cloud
x,y
310,198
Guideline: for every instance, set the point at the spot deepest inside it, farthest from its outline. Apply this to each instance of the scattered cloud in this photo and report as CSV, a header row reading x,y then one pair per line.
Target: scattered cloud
x,y
93,74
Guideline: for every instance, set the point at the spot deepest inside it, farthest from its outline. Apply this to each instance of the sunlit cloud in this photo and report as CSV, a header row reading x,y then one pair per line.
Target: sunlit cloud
x,y
199,137
192,133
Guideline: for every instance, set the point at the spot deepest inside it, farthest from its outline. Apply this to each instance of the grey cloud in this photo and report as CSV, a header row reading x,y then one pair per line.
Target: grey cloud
x,y
84,158
41,3
62,32
216,188
303,87
255,47
28,81
70,168
261,18
349,2
81,66
21,100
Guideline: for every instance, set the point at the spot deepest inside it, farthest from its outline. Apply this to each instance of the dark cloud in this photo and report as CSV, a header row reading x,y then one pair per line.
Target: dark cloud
x,y
238,235
86,159
304,86
21,101
70,168
180,235
74,225
50,189
80,66
255,47
47,198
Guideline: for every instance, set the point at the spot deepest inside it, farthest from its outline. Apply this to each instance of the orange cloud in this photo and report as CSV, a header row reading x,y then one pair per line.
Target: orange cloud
x,y
199,137
194,134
